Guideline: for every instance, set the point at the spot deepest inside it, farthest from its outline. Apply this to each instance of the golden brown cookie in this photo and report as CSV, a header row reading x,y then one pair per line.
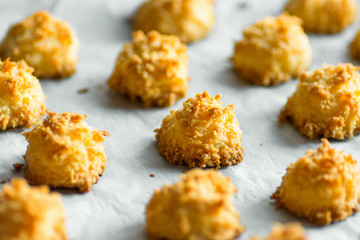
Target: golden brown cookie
x,y
355,46
272,51
64,152
323,186
46,43
190,20
22,101
30,213
324,16
152,68
326,103
290,231
200,206
201,134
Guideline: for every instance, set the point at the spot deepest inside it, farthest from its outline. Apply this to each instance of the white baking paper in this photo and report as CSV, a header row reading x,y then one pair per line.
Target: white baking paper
x,y
114,208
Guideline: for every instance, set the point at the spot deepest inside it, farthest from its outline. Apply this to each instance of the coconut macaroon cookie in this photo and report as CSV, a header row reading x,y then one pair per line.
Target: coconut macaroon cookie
x,y
324,16
272,51
152,68
200,206
190,20
323,186
46,43
290,231
326,103
64,152
201,134
22,101
355,46
30,213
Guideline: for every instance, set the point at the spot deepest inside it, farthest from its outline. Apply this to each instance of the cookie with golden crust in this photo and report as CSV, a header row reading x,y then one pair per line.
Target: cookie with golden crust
x,y
326,103
272,51
22,101
190,20
201,134
64,151
200,206
30,213
46,43
324,16
290,231
323,186
153,68
355,46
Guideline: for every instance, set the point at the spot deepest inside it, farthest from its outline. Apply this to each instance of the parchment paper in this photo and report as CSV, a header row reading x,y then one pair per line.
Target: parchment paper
x,y
114,208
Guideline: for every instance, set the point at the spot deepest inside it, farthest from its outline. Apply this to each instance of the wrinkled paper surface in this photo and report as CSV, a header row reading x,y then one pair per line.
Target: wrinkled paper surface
x,y
114,208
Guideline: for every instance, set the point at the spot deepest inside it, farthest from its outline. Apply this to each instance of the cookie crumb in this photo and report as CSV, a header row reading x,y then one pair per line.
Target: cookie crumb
x,y
243,5
84,90
152,175
18,166
130,20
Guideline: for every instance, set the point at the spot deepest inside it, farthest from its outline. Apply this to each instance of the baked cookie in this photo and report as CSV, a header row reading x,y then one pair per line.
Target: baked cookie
x,y
324,16
291,231
355,46
46,43
190,20
30,213
326,103
200,206
152,68
323,186
22,101
64,152
272,51
201,134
